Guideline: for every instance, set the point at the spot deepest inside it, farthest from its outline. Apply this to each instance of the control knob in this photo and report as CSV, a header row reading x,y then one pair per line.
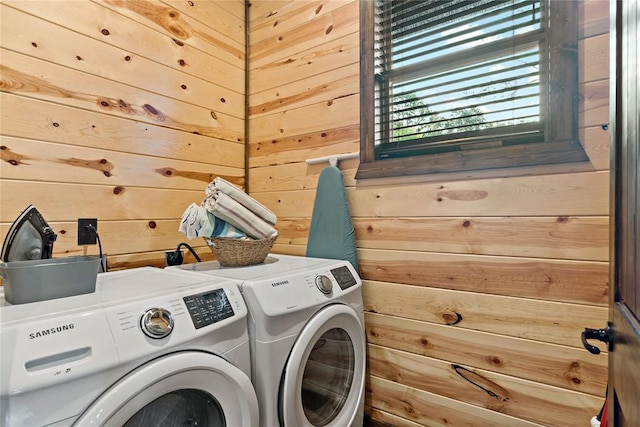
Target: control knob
x,y
323,283
157,323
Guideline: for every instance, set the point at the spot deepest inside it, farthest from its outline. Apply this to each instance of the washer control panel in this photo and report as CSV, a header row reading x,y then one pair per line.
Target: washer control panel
x,y
208,308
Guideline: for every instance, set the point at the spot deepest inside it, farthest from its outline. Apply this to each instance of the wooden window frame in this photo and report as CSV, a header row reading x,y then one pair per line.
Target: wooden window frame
x,y
561,143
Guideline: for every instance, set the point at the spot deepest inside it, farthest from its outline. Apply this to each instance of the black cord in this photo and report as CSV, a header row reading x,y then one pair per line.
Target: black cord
x,y
195,255
91,227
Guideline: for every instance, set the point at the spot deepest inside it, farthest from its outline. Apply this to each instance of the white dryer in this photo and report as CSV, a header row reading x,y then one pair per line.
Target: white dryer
x,y
306,328
150,347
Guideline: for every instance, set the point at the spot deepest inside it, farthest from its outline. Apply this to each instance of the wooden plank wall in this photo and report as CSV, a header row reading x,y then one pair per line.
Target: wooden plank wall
x,y
476,288
120,111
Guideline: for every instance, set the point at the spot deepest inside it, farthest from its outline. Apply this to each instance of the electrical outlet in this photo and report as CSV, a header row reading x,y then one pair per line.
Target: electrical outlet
x,y
86,234
173,258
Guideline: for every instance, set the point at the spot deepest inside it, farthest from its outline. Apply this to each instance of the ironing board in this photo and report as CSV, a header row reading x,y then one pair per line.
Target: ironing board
x,y
331,234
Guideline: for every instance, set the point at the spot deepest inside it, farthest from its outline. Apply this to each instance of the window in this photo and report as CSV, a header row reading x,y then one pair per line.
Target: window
x,y
463,85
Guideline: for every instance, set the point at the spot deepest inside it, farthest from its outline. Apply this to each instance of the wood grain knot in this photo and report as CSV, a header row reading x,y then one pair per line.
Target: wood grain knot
x,y
369,229
467,223
152,224
178,42
105,32
14,159
318,9
118,189
190,3
495,360
484,384
182,62
34,44
406,407
463,195
184,87
562,219
78,57
450,317
223,100
572,374
328,30
424,342
213,114
63,231
55,124
152,111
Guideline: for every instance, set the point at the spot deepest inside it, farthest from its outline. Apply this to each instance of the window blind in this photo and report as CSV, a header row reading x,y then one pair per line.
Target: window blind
x,y
452,73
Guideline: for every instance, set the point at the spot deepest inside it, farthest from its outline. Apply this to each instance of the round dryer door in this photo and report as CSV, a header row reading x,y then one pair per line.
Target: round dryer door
x,y
323,381
184,388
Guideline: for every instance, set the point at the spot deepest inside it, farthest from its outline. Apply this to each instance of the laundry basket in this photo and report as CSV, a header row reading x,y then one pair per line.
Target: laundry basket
x,y
239,252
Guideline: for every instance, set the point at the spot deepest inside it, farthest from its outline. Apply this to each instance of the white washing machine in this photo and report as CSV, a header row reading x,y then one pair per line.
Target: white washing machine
x,y
306,328
150,347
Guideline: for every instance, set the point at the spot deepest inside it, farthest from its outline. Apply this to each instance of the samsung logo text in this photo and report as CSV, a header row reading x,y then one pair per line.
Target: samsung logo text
x,y
50,331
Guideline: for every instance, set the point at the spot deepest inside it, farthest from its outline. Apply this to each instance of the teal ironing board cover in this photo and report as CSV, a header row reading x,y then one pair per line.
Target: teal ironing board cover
x,y
331,233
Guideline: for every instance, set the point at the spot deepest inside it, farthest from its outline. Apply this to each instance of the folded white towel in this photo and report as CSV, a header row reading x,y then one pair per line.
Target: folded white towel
x,y
220,184
198,222
223,206
193,220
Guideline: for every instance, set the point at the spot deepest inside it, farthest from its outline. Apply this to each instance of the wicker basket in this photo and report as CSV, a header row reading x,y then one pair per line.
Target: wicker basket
x,y
236,252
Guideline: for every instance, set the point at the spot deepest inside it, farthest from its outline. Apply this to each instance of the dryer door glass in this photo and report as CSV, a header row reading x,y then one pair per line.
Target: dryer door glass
x,y
327,377
180,408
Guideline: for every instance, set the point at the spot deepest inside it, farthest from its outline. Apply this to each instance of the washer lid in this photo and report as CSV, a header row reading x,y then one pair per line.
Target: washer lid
x,y
177,383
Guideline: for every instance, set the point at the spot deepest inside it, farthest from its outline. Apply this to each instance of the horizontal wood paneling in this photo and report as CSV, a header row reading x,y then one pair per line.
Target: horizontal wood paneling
x,y
554,280
556,195
43,161
535,402
98,22
413,406
182,28
561,366
328,115
34,119
595,50
68,48
59,201
593,16
301,147
21,75
276,16
221,16
518,258
326,87
283,43
120,111
516,317
305,64
579,238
